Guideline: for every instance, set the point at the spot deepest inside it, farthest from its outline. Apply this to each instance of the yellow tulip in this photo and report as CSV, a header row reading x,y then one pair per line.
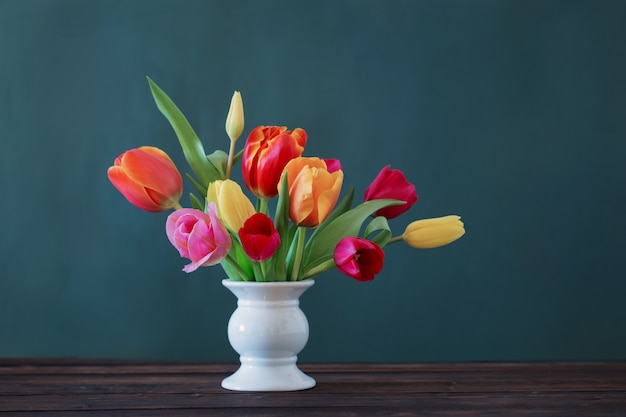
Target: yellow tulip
x,y
433,233
233,207
235,120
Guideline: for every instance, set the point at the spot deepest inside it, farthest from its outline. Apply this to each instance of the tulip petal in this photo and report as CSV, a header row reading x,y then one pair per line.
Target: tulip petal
x,y
391,183
358,258
313,191
267,150
233,207
433,233
272,161
259,238
148,178
300,137
327,198
135,193
301,196
198,236
151,170
235,118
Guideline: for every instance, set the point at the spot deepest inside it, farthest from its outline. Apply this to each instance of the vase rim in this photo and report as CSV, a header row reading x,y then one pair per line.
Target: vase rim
x,y
303,283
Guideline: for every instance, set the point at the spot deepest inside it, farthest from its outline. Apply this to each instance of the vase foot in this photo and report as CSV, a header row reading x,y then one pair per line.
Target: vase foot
x,y
268,375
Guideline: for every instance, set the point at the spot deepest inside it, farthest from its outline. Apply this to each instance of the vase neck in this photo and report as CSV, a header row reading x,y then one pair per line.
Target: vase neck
x,y
275,293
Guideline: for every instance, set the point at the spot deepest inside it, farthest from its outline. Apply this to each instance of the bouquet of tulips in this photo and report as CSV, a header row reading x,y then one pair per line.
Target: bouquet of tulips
x,y
310,231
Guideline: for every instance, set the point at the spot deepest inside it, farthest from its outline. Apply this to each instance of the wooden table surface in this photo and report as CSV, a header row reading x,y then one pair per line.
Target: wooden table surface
x,y
50,388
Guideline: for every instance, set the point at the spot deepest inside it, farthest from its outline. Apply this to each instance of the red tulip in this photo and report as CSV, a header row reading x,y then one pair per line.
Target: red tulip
x,y
148,178
391,183
358,258
267,151
259,238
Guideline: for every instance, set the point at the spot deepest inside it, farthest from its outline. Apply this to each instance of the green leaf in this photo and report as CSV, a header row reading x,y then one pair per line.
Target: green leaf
x,y
189,141
339,209
291,251
378,231
197,186
278,264
244,262
238,156
233,270
321,247
195,202
237,262
219,160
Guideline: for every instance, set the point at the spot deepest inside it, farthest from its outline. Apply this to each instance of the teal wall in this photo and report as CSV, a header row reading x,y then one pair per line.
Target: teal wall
x,y
509,113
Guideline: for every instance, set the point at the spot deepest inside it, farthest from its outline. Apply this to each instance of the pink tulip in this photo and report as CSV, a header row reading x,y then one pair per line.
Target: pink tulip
x,y
198,236
391,183
259,237
148,178
358,258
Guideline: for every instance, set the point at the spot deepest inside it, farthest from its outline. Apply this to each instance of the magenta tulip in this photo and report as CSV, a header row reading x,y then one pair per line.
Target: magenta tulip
x,y
391,183
148,178
259,237
358,258
198,236
332,165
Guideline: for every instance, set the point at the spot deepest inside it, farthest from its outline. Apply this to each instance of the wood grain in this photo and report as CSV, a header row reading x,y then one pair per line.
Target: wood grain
x,y
35,387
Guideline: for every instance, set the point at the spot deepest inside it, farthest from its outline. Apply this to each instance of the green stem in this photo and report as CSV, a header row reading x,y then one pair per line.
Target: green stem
x,y
324,266
395,239
232,263
231,158
177,206
259,274
301,235
263,206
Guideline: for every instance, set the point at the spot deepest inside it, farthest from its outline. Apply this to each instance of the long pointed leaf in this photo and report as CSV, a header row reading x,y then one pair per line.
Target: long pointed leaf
x,y
197,186
195,202
281,221
189,141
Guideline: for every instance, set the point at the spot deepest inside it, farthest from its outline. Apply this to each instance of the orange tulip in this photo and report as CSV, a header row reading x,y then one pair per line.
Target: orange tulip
x,y
313,191
148,178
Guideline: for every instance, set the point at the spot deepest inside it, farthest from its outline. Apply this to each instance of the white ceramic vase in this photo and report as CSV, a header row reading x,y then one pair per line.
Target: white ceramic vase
x,y
268,330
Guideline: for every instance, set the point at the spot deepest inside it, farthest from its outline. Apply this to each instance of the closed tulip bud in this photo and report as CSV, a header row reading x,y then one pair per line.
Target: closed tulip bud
x,y
235,119
148,178
233,207
433,233
259,238
391,183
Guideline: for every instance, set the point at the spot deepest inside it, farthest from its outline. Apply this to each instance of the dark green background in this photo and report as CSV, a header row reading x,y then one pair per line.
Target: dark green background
x,y
509,113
